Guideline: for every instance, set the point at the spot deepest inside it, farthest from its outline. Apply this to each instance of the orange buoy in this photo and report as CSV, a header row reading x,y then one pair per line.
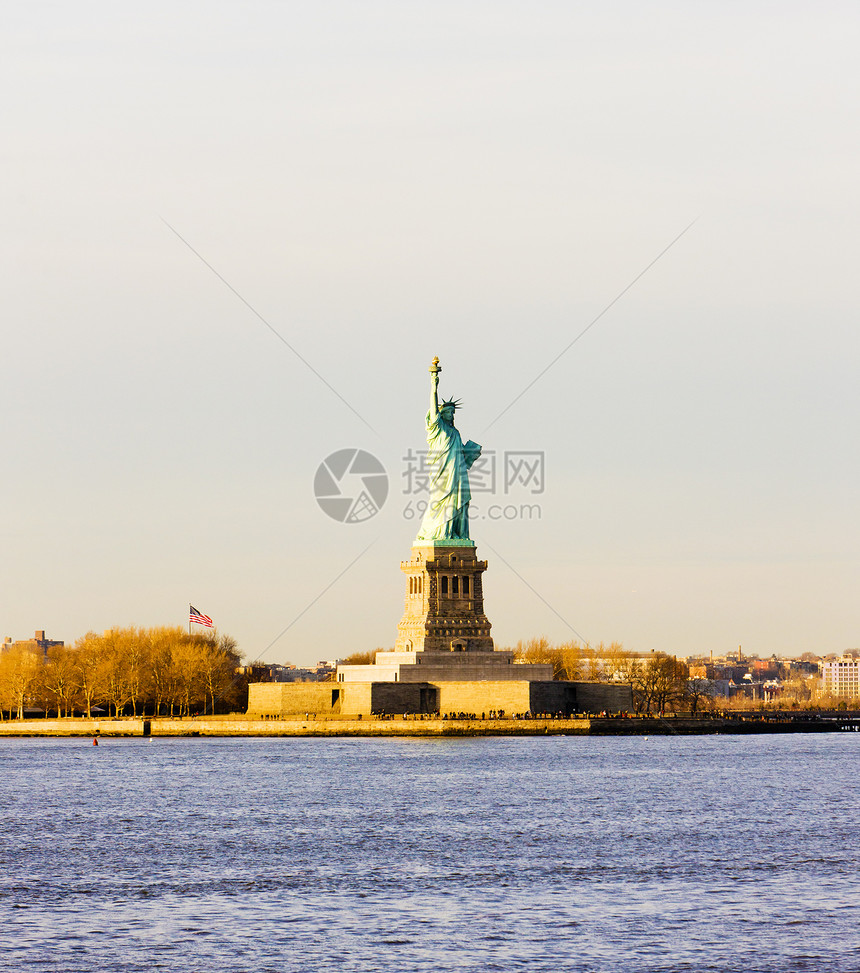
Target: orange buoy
x,y
95,741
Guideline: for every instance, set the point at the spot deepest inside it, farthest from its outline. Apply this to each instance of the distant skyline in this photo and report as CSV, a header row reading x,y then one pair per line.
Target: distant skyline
x,y
379,183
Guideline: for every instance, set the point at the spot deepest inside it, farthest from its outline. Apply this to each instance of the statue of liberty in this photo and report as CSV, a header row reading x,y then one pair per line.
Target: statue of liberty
x,y
448,460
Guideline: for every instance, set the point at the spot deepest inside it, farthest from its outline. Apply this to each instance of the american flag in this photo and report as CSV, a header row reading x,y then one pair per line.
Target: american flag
x,y
197,618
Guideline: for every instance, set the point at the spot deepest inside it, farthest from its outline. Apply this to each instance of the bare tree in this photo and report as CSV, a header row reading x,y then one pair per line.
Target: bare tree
x,y
19,674
669,681
160,674
541,651
360,658
699,692
187,672
219,660
58,679
116,684
137,662
89,661
799,687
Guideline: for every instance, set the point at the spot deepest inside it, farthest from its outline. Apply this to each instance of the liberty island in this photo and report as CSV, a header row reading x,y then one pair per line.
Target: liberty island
x,y
444,659
444,675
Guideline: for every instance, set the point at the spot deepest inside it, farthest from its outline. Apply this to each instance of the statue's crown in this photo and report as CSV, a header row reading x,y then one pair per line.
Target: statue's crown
x,y
453,403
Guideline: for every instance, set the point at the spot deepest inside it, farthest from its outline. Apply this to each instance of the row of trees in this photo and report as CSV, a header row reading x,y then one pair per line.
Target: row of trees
x,y
659,681
129,670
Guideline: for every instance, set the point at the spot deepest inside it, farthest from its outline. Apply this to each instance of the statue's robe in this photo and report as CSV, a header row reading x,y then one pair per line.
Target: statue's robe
x,y
448,462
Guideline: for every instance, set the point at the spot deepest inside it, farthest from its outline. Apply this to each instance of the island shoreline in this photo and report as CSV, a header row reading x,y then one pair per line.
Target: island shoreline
x,y
166,727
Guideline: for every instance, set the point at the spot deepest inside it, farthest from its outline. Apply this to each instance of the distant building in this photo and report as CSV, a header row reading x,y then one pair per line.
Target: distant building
x,y
295,674
256,671
805,667
38,644
274,672
765,669
747,688
842,677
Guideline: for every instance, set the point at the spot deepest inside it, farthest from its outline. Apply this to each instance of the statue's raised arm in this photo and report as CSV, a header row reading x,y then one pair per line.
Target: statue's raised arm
x,y
434,386
448,462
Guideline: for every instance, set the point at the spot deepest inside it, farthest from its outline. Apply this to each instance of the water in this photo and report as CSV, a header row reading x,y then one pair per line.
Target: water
x,y
580,854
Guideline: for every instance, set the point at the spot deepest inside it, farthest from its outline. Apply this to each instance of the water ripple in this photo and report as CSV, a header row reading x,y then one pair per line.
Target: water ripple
x,y
583,855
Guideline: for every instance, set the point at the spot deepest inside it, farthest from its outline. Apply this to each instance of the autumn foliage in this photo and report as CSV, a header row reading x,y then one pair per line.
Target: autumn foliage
x,y
659,681
132,671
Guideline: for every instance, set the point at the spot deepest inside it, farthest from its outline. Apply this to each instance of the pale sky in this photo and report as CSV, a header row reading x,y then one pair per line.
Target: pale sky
x,y
388,181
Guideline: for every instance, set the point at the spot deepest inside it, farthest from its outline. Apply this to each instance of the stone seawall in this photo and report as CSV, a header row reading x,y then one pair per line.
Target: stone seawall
x,y
368,728
73,728
287,728
298,727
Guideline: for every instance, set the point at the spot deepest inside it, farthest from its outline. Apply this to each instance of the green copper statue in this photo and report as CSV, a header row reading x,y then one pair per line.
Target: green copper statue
x,y
448,460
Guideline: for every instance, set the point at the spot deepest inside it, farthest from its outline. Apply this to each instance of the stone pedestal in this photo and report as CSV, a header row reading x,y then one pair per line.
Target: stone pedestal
x,y
444,609
444,635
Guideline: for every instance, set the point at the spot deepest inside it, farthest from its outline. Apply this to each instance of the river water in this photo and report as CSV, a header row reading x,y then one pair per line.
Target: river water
x,y
563,853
